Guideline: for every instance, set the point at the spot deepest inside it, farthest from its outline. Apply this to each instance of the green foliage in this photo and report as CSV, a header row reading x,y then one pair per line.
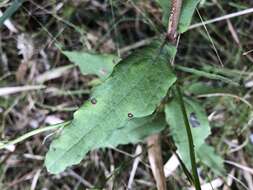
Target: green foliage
x,y
165,5
135,130
198,88
134,90
208,156
91,63
199,126
188,9
207,75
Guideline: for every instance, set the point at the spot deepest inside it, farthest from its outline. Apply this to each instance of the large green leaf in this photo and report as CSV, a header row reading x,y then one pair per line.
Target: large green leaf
x,y
208,156
91,63
188,9
199,126
135,88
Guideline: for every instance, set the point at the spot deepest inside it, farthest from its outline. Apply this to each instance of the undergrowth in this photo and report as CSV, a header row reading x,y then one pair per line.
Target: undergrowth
x,y
63,50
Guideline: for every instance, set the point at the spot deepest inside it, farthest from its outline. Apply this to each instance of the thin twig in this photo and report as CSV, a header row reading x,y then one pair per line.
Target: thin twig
x,y
211,40
225,17
32,133
155,160
226,95
137,160
12,90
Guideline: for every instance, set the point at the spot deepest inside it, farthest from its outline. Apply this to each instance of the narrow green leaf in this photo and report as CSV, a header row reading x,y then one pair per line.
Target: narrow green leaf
x,y
166,7
198,88
135,88
207,75
207,155
16,4
188,9
199,126
91,63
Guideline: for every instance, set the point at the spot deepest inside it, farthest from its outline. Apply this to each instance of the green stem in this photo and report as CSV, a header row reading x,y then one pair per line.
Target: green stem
x,y
206,74
10,11
190,139
32,133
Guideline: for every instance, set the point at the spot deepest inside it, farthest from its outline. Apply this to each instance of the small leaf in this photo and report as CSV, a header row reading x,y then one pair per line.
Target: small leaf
x,y
199,126
187,11
198,88
165,5
207,155
98,64
135,88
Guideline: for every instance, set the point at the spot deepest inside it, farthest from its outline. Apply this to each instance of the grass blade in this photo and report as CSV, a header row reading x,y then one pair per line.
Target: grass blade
x,y
10,11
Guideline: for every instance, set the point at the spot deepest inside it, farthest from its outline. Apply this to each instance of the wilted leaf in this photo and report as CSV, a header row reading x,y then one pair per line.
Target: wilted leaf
x,y
134,89
199,126
188,9
207,155
89,63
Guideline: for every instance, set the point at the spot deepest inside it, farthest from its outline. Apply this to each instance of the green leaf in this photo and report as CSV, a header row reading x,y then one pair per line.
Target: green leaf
x,y
207,75
165,5
199,126
134,90
198,88
10,11
207,155
135,130
91,63
188,9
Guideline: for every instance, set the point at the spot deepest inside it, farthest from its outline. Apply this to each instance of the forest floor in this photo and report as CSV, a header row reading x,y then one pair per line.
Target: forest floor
x,y
50,88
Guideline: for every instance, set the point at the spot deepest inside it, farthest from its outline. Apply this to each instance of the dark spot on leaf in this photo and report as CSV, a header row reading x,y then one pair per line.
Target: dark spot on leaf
x,y
130,115
93,101
54,149
194,120
115,60
103,71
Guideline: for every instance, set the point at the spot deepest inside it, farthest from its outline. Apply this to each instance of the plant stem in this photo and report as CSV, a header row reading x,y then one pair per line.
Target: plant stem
x,y
171,35
156,161
190,139
174,20
32,133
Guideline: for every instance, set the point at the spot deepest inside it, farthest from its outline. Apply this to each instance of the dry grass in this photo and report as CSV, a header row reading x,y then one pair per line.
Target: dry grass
x,y
39,88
